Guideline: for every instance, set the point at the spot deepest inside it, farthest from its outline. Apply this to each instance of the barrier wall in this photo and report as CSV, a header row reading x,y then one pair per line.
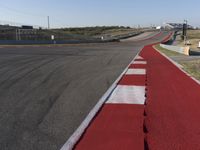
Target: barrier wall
x,y
30,42
181,50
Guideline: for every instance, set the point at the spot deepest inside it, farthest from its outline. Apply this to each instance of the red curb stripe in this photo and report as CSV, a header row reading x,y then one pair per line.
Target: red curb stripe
x,y
138,80
137,66
117,127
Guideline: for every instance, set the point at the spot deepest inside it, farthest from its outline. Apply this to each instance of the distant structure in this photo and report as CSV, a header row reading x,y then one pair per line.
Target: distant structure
x,y
23,32
177,26
7,27
26,27
159,27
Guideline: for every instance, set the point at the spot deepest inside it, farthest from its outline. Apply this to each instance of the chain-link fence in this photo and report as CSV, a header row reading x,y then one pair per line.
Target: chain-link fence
x,y
38,35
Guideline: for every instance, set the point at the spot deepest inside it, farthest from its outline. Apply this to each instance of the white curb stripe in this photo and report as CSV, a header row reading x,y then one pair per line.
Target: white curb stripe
x,y
136,72
128,95
139,57
140,62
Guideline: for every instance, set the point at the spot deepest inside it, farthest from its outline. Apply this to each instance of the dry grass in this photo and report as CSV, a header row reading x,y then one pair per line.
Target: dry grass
x,y
115,32
194,44
192,67
193,37
193,34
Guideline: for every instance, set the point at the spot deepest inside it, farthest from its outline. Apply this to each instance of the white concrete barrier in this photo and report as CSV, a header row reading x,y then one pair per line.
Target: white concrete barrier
x,y
181,50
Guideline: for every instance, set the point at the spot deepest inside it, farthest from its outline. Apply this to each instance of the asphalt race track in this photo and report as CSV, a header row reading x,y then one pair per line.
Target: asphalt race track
x,y
46,92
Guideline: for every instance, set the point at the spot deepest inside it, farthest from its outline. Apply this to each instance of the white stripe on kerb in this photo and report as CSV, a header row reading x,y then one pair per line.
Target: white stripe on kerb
x,y
139,57
128,95
140,62
136,72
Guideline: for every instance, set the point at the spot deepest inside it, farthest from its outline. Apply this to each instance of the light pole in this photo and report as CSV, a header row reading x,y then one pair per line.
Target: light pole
x,y
185,31
48,22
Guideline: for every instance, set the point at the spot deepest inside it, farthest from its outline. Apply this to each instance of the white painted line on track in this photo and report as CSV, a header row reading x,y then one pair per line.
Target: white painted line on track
x,y
140,62
128,95
136,72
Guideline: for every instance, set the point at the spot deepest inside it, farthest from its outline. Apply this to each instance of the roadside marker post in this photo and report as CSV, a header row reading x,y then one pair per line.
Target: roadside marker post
x,y
53,39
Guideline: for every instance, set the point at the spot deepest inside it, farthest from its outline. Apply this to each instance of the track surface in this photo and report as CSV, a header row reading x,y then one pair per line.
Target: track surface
x,y
46,92
141,36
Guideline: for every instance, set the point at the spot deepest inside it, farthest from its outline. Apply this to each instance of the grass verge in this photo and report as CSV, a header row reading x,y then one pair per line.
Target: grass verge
x,y
192,67
193,36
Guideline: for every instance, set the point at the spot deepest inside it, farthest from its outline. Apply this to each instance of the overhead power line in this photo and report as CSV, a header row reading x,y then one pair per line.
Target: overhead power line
x,y
21,12
57,21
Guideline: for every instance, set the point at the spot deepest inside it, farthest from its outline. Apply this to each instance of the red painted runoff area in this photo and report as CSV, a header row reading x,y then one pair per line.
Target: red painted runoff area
x,y
116,127
173,105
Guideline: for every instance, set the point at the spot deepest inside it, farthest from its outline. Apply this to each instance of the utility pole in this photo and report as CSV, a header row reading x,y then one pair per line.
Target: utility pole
x,y
16,34
19,33
48,22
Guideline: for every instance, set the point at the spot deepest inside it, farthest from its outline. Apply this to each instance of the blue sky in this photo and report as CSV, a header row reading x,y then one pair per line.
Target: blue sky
x,y
74,13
